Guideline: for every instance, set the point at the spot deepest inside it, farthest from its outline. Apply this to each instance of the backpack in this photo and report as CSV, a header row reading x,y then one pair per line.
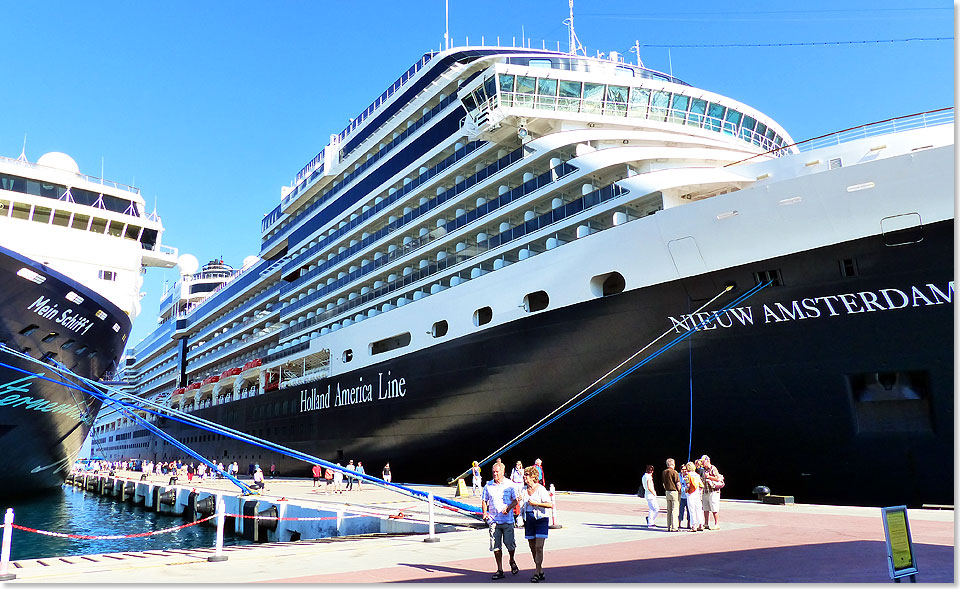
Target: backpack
x,y
717,485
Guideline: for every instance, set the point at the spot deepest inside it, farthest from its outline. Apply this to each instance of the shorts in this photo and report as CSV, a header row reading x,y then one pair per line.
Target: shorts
x,y
711,501
535,528
503,534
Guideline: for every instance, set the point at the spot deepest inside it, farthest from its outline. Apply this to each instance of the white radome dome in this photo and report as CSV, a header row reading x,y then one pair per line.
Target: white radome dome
x,y
188,264
60,161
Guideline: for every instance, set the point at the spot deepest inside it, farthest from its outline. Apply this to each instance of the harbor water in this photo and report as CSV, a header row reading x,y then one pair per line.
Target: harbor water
x,y
73,511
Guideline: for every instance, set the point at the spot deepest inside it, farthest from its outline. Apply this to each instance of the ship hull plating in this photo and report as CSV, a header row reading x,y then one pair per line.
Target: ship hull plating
x,y
44,418
822,386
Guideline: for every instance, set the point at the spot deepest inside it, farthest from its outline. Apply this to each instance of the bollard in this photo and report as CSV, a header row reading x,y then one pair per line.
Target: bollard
x,y
219,556
553,512
431,537
5,550
339,520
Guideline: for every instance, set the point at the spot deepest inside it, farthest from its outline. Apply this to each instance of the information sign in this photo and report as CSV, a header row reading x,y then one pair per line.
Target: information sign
x,y
900,556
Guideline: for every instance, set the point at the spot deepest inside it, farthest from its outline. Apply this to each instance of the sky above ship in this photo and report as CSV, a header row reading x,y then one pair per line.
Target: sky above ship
x,y
211,107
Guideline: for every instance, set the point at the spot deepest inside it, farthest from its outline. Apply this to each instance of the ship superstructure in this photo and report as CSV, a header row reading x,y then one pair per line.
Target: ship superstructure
x,y
503,226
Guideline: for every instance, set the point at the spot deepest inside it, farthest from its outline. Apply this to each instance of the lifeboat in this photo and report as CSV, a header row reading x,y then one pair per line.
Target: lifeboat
x,y
192,386
251,370
253,363
232,371
209,380
179,391
272,383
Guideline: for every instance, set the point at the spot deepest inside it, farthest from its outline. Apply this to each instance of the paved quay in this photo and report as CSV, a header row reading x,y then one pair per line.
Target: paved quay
x,y
603,539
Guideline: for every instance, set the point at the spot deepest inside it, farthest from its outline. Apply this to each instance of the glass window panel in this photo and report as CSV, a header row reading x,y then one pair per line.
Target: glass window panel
x,y
616,101
639,100
659,103
42,214
506,82
569,96
21,210
61,218
546,93
697,109
760,132
731,121
678,112
81,222
541,63
593,97
525,85
490,86
132,232
98,225
715,114
469,102
4,208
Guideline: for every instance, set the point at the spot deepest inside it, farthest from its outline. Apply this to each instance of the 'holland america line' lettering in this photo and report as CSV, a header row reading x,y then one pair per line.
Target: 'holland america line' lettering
x,y
335,396
885,299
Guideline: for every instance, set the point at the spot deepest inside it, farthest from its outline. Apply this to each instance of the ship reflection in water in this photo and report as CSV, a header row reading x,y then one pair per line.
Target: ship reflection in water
x,y
73,511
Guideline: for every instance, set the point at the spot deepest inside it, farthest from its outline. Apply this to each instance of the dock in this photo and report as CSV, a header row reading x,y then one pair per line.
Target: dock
x,y
603,538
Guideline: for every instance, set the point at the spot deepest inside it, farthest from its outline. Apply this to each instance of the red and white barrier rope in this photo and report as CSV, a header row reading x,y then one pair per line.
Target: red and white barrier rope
x,y
114,537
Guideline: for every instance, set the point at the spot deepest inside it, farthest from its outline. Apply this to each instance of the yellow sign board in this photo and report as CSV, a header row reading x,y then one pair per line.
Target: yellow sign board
x,y
900,556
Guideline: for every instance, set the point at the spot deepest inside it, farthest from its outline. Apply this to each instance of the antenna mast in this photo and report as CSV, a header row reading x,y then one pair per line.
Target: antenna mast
x,y
575,45
446,30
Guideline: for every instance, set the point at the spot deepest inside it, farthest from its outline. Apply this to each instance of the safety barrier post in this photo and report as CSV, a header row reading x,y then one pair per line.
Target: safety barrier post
x,y
431,537
5,550
219,556
553,512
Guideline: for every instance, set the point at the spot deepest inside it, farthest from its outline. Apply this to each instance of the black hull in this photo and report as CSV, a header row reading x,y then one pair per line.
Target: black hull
x,y
43,423
793,404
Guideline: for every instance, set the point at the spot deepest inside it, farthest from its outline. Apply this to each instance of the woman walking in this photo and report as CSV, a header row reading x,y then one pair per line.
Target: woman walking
x,y
476,480
536,502
694,498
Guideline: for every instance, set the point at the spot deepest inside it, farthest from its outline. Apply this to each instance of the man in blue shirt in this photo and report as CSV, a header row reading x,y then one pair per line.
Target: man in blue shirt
x,y
497,500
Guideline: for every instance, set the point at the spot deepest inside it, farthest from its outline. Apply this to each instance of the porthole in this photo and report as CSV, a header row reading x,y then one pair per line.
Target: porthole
x,y
29,329
604,285
439,329
347,355
482,316
536,301
49,337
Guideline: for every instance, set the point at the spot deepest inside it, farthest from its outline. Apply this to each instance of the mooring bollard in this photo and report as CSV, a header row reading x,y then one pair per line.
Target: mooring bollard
x,y
219,556
431,537
553,512
5,549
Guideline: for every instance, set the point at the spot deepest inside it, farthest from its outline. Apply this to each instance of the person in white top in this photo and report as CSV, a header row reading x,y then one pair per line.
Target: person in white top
x,y
497,500
476,480
536,502
650,494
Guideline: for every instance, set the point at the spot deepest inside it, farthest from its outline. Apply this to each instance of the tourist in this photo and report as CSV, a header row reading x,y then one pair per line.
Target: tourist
x,y
650,494
476,481
360,470
386,472
671,487
273,470
683,496
694,498
536,502
539,464
258,479
317,473
328,477
516,477
338,479
497,501
712,482
350,467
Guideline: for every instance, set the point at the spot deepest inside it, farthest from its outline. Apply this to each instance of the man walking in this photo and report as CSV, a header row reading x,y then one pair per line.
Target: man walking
x,y
350,466
360,470
497,500
671,484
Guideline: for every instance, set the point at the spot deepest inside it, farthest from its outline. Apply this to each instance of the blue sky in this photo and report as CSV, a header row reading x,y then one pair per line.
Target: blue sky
x,y
211,107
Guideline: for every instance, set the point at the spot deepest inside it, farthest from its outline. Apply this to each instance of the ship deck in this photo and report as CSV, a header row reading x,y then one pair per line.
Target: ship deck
x,y
602,539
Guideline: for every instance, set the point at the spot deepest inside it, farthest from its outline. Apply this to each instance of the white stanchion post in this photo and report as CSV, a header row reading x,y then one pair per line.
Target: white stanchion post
x,y
5,550
431,536
219,556
553,512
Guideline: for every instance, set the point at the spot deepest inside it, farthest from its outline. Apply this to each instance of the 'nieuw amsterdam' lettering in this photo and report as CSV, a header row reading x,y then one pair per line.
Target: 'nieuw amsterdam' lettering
x,y
885,299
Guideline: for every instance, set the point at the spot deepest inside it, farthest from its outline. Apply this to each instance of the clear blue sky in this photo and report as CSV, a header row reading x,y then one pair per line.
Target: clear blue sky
x,y
209,107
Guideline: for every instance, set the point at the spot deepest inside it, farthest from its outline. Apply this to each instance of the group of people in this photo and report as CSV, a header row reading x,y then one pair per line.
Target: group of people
x,y
333,478
501,499
694,491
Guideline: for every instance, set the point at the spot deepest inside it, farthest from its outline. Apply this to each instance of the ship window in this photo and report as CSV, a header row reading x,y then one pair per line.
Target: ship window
x,y
506,83
659,103
639,99
546,91
21,211
771,276
61,218
482,316
149,238
848,267
98,225
605,285
29,329
697,109
50,337
592,97
116,228
132,232
616,101
715,113
536,301
541,63
730,121
80,222
439,329
569,96
67,344
4,208
347,355
390,343
42,214
107,275
490,86
526,84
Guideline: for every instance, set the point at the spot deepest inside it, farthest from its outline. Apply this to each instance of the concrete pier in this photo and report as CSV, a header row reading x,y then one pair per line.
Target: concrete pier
x,y
603,539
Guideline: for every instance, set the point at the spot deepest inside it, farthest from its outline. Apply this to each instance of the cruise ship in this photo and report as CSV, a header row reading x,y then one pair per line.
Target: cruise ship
x,y
506,229
72,250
